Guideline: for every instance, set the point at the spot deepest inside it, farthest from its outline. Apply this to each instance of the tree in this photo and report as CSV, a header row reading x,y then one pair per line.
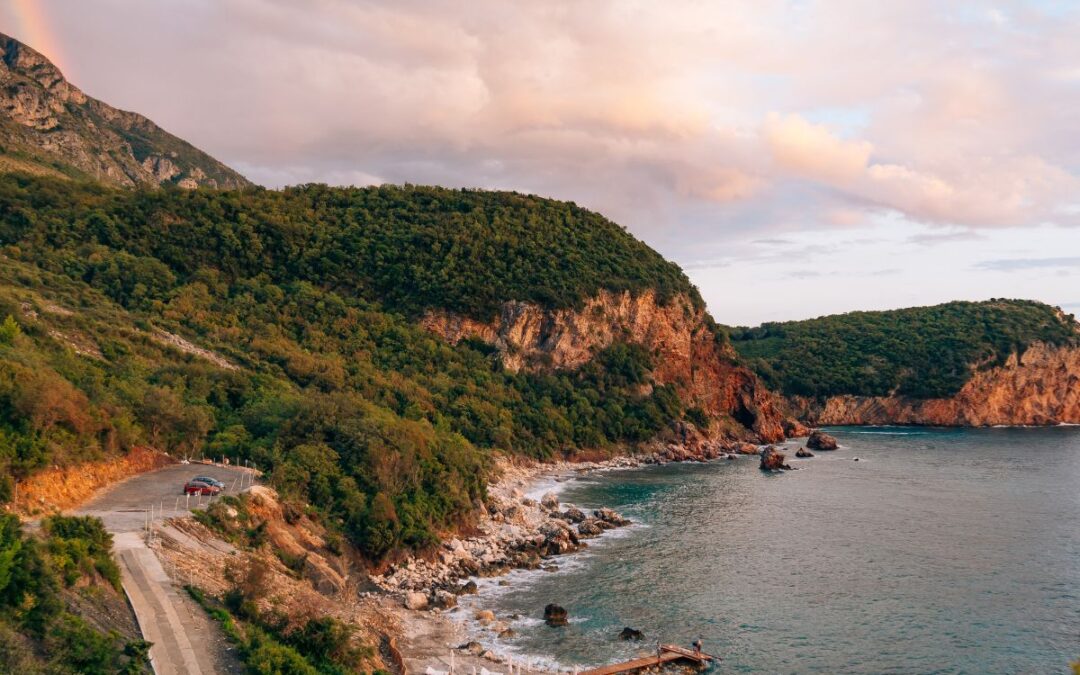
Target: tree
x,y
9,330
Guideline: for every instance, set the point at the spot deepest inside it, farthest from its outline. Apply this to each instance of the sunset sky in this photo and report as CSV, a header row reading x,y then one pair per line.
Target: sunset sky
x,y
795,158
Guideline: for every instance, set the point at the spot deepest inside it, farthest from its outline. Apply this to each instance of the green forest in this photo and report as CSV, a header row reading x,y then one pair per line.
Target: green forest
x,y
921,352
310,294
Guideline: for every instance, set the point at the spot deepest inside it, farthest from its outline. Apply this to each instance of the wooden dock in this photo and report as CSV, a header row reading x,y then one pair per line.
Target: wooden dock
x,y
668,654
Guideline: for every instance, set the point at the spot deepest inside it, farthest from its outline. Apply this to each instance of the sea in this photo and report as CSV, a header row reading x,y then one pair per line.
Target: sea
x,y
937,551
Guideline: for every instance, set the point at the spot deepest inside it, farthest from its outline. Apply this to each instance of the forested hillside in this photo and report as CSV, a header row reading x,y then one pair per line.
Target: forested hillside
x,y
319,373
921,352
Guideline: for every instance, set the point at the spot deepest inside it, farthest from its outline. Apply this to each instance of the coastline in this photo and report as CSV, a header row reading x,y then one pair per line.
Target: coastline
x,y
521,518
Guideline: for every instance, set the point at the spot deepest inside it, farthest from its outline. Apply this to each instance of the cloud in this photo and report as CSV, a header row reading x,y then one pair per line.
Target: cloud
x,y
933,238
700,126
1015,264
811,151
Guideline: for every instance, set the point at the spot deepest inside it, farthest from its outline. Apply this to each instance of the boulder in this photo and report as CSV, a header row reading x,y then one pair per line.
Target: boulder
x,y
803,453
468,588
794,428
550,501
819,440
445,599
631,634
772,460
484,617
508,633
416,600
474,648
747,449
555,615
610,517
558,537
590,527
573,515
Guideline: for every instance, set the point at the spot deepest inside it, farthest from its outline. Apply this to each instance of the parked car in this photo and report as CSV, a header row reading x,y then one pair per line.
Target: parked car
x,y
209,481
194,487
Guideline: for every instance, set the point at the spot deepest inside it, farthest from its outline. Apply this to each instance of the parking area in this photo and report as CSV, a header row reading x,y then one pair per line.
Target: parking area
x,y
124,507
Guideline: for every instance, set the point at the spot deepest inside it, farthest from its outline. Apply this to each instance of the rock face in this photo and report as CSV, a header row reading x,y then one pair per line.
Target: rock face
x,y
688,354
48,126
1042,387
555,616
819,440
803,453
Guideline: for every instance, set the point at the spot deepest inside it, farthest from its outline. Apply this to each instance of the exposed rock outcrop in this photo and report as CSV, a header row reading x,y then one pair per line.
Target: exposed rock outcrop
x,y
1041,387
773,460
555,615
629,633
819,440
687,352
48,126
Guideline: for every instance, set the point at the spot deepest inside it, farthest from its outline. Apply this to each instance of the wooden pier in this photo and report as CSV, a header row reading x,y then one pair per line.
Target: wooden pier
x,y
668,654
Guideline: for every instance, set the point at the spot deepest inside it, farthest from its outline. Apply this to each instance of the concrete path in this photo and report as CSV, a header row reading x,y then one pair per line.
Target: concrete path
x,y
163,618
179,629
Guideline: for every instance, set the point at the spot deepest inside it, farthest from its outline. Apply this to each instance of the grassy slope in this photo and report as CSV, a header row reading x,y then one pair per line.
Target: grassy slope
x,y
923,352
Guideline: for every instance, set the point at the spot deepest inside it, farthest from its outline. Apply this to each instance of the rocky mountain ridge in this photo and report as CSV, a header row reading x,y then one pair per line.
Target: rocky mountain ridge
x,y
687,352
48,126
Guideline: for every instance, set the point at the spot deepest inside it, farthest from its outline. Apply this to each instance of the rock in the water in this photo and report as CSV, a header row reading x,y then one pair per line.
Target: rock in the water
x,y
772,460
469,588
550,501
590,527
555,615
507,633
629,633
803,453
819,440
416,600
610,517
485,616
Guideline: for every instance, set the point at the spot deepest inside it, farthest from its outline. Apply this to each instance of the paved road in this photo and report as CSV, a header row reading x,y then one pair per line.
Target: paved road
x,y
125,507
179,629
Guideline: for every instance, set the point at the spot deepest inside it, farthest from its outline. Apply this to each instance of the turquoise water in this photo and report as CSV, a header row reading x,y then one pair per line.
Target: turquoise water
x,y
940,551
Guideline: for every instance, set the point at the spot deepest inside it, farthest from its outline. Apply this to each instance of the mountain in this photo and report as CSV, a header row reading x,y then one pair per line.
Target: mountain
x,y
999,362
306,329
49,127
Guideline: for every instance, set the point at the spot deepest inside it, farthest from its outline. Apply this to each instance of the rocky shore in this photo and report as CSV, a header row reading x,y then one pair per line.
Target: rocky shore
x,y
518,531
515,531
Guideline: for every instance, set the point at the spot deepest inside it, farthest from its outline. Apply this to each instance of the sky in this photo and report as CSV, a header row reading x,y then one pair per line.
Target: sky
x,y
796,158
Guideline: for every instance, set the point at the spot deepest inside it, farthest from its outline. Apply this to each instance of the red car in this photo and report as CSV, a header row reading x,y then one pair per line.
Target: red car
x,y
195,487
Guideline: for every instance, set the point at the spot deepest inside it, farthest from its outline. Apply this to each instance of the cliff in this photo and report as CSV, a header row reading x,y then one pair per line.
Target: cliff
x,y
1039,387
687,352
49,127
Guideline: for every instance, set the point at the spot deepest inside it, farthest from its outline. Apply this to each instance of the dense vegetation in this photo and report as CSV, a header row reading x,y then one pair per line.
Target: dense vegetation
x,y
407,248
38,634
311,294
923,352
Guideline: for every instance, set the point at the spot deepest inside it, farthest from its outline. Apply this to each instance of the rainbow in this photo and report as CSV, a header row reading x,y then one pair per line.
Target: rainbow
x,y
32,28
